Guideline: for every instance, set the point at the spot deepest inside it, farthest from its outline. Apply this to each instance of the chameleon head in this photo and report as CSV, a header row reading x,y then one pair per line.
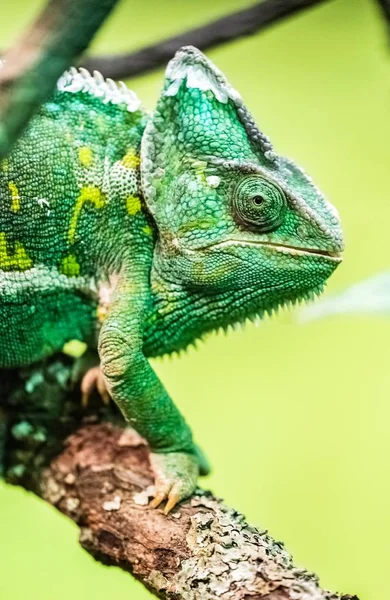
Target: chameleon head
x,y
240,229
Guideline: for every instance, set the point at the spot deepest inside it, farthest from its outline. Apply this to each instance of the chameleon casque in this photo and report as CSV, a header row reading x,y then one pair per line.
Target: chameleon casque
x,y
137,233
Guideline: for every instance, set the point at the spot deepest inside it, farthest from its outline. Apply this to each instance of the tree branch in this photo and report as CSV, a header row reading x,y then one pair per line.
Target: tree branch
x,y
238,24
33,65
385,9
97,472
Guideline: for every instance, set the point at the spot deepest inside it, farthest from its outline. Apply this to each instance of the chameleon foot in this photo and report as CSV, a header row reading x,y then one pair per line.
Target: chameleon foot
x,y
176,475
92,379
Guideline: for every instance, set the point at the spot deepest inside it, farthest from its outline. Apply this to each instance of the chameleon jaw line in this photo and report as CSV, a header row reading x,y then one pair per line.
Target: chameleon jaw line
x,y
293,250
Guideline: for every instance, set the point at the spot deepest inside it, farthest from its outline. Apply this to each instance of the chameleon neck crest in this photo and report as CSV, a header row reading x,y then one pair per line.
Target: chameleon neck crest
x,y
80,80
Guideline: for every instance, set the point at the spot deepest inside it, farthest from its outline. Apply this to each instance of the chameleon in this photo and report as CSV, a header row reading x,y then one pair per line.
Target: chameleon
x,y
138,232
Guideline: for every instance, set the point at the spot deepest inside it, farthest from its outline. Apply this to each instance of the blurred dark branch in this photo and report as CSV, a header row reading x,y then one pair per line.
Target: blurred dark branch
x,y
385,6
33,65
241,23
64,30
87,464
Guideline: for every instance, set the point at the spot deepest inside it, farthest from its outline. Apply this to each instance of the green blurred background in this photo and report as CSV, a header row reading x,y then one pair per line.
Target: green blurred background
x,y
295,419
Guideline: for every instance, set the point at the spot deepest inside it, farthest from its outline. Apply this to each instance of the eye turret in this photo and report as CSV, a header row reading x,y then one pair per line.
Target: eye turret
x,y
259,203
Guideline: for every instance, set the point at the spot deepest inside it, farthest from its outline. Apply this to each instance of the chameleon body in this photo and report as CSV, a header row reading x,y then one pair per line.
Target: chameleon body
x,y
138,233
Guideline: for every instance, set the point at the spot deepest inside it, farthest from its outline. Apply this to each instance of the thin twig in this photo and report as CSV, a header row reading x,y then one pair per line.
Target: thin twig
x,y
33,65
241,23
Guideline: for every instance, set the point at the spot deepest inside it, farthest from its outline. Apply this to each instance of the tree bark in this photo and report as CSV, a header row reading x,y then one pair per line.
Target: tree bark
x,y
97,472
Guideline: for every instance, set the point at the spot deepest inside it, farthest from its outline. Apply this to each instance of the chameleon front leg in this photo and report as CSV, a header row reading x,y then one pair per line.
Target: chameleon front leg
x,y
144,402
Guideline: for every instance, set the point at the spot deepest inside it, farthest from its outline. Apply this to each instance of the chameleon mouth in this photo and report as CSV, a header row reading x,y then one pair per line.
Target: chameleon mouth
x,y
298,250
332,255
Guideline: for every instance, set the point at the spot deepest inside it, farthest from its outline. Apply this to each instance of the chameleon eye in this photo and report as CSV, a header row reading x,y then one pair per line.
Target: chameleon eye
x,y
259,202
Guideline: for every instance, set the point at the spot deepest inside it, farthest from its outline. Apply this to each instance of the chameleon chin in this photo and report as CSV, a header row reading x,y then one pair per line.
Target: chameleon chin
x,y
138,233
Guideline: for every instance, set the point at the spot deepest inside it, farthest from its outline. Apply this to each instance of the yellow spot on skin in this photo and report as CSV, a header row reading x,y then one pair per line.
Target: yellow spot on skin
x,y
90,194
15,198
205,223
101,313
85,156
4,165
131,160
133,205
158,287
74,348
18,260
148,230
199,167
69,266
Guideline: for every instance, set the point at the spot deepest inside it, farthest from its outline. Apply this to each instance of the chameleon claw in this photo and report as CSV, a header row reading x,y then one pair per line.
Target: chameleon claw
x,y
106,399
103,393
93,379
159,497
84,401
173,499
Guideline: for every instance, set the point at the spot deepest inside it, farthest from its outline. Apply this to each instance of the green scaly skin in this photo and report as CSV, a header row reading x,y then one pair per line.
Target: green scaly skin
x,y
139,233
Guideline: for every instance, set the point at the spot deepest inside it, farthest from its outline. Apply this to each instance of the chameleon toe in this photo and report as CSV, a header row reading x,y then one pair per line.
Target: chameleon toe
x,y
157,500
93,379
173,499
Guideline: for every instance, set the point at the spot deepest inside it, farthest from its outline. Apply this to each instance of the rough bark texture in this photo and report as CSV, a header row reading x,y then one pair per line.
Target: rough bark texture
x,y
97,472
